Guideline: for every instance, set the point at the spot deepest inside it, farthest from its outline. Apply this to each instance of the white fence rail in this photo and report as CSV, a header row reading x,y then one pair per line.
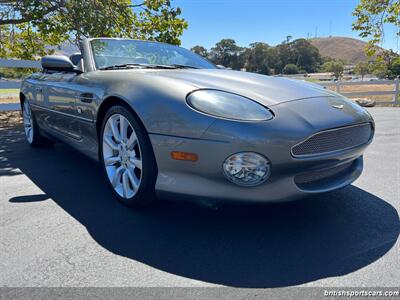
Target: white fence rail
x,y
15,84
395,92
15,63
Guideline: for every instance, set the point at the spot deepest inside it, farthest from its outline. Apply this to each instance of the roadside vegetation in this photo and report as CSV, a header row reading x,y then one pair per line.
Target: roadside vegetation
x,y
15,73
9,91
302,57
293,57
30,29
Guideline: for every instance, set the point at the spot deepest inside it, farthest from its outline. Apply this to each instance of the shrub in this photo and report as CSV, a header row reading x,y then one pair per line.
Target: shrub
x,y
290,69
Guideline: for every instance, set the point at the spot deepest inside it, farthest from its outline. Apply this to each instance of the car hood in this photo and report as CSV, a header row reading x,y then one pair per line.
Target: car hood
x,y
266,90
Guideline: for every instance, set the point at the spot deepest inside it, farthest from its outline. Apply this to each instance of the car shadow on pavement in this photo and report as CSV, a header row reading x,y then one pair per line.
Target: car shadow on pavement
x,y
242,246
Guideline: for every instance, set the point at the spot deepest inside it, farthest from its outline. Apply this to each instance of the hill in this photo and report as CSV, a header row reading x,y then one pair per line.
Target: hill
x,y
348,49
66,49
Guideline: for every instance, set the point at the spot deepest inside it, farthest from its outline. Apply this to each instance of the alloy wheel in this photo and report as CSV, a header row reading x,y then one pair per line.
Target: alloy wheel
x,y
122,156
28,122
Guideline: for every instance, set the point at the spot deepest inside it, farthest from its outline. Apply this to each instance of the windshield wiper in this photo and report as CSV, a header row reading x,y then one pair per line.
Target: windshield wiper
x,y
134,65
149,66
183,66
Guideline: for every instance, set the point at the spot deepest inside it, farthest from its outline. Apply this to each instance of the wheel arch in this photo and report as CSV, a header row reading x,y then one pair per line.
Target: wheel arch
x,y
109,102
22,98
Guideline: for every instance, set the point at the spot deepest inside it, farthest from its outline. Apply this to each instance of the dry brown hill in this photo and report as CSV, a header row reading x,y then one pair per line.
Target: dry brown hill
x,y
348,49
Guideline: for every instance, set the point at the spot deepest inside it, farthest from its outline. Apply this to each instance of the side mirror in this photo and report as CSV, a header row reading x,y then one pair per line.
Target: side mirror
x,y
58,63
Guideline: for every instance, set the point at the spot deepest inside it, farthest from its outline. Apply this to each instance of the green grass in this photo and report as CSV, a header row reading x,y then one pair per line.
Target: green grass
x,y
9,91
312,80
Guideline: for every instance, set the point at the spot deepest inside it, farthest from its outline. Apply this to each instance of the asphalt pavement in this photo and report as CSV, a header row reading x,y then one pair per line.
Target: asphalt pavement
x,y
60,226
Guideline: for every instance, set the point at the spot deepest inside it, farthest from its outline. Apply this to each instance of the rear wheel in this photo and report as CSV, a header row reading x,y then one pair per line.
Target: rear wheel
x,y
32,133
127,158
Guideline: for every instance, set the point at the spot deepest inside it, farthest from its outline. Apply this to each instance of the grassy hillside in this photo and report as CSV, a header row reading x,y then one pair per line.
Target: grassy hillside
x,y
348,49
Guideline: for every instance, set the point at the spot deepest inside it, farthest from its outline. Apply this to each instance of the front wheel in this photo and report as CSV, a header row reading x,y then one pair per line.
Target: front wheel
x,y
127,158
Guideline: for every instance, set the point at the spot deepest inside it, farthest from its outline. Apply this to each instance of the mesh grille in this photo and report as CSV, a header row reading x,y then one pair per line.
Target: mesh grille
x,y
334,140
319,177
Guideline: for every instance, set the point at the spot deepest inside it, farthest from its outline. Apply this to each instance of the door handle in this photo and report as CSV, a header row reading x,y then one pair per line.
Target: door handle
x,y
86,97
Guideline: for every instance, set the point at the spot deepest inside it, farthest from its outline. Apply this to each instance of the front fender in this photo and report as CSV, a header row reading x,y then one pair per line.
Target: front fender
x,y
162,107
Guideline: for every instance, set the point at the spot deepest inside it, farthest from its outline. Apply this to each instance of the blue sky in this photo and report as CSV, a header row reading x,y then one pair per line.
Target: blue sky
x,y
269,21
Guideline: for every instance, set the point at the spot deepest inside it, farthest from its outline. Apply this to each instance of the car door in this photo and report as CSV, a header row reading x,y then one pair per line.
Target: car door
x,y
87,96
60,99
73,104
34,90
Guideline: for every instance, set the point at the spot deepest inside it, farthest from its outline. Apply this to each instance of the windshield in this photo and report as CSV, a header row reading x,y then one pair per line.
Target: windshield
x,y
117,52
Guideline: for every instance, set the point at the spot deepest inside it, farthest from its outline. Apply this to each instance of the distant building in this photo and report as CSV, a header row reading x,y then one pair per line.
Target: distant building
x,y
349,69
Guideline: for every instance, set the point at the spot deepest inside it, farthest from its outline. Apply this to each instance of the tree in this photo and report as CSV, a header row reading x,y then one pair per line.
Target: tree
x,y
227,54
200,50
306,55
372,15
337,68
29,28
395,67
257,58
290,69
285,55
379,69
388,57
334,66
362,69
301,53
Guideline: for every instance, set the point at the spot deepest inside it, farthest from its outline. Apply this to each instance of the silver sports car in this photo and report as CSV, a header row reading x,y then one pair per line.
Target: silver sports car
x,y
163,120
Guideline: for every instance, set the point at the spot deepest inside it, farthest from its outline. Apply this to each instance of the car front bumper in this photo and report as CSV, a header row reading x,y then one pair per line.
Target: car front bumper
x,y
205,179
291,178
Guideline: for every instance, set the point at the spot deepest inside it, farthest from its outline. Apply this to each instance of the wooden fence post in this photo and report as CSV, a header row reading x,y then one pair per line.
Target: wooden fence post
x,y
396,96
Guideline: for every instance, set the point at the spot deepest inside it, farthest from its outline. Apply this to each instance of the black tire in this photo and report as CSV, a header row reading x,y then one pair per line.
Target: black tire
x,y
145,195
37,139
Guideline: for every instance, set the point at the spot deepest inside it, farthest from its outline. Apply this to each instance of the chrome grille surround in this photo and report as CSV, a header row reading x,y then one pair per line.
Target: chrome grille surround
x,y
337,139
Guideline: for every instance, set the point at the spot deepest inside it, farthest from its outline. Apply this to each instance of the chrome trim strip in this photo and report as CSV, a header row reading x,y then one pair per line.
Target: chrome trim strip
x,y
334,151
62,113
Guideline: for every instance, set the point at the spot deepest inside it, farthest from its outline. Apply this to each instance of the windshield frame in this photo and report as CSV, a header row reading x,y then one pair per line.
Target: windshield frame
x,y
95,66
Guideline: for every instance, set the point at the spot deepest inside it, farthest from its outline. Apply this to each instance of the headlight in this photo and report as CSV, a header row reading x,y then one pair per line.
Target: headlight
x,y
247,168
227,105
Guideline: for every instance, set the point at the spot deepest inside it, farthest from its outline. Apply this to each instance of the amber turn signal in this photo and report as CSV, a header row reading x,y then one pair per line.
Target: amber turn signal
x,y
178,155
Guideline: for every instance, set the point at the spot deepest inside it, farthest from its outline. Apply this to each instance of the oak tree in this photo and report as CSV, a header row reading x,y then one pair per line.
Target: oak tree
x,y
31,28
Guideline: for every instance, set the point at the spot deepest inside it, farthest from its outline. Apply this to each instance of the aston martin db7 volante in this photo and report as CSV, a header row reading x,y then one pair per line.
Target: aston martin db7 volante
x,y
163,120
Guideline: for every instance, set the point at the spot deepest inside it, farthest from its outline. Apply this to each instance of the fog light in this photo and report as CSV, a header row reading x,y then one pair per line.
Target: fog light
x,y
247,168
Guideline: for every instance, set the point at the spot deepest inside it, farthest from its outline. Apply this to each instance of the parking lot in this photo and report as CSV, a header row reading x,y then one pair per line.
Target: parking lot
x,y
59,226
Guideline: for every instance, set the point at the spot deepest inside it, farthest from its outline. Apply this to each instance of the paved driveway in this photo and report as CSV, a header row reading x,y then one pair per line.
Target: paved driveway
x,y
59,226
